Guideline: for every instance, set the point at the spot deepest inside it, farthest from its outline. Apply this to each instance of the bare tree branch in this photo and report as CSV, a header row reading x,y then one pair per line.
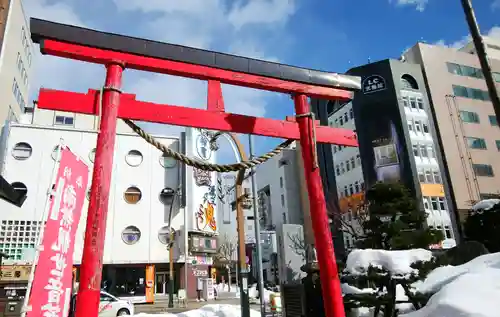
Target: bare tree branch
x,y
298,245
226,249
354,226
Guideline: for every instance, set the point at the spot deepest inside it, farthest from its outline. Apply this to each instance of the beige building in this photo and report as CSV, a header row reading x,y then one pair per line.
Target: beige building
x,y
16,57
465,120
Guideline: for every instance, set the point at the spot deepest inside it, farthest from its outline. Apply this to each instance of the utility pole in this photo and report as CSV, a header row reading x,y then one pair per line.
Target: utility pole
x,y
258,247
482,55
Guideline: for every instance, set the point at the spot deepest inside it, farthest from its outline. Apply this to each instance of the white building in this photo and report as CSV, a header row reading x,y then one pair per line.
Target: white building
x,y
135,255
16,57
348,172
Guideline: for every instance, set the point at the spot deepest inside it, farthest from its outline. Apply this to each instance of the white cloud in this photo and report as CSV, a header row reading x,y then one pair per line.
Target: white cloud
x,y
208,24
418,4
495,5
494,33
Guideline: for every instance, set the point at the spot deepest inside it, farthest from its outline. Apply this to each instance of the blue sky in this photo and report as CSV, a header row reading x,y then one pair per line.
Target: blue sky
x,y
329,35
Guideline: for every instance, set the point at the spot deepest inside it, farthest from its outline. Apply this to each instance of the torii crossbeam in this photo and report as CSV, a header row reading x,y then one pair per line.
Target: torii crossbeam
x,y
119,52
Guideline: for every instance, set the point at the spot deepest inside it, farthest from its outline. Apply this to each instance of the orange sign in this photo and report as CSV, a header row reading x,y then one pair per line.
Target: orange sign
x,y
432,190
150,285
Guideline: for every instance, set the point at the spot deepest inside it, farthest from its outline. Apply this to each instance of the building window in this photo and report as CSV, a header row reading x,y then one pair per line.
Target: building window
x,y
408,82
346,192
437,177
415,150
424,152
351,113
447,232
22,151
131,235
92,155
426,202
425,127
341,121
471,93
476,143
351,189
337,170
418,126
463,70
282,200
358,159
421,176
17,237
406,102
62,120
167,161
281,182
16,91
132,195
164,235
413,103
434,203
469,117
342,167
428,177
483,170
497,142
420,104
346,118
353,163
20,188
493,120
347,166
134,158
356,187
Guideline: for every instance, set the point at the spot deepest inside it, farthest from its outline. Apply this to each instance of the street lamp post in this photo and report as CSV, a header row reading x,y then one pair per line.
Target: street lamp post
x,y
240,219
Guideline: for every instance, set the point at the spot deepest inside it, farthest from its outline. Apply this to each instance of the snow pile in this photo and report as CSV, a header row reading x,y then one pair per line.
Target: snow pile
x,y
253,292
223,287
485,204
397,262
212,310
468,290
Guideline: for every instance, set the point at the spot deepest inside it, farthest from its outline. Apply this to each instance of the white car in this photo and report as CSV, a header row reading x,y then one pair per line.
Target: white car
x,y
109,306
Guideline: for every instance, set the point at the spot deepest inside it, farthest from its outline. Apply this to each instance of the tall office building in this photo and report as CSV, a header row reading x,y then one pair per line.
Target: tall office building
x,y
397,142
465,121
16,58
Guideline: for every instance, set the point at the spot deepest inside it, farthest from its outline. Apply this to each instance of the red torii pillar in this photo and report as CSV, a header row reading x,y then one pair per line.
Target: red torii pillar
x,y
116,105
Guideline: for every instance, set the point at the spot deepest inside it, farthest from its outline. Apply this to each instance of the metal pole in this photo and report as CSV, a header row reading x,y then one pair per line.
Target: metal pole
x,y
240,219
482,55
330,283
258,246
88,297
171,273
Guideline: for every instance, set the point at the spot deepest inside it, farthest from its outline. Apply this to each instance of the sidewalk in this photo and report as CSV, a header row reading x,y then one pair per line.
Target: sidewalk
x,y
161,306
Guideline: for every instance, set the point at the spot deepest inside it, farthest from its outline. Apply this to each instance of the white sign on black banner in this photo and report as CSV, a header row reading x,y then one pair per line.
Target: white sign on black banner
x,y
373,83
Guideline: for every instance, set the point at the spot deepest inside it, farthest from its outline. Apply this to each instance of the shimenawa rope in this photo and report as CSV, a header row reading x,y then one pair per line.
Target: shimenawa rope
x,y
205,165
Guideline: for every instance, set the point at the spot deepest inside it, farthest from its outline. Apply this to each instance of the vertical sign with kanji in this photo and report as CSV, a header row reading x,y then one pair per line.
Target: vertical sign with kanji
x,y
52,283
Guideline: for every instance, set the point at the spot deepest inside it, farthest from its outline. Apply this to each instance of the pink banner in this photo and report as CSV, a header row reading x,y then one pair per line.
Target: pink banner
x,y
52,285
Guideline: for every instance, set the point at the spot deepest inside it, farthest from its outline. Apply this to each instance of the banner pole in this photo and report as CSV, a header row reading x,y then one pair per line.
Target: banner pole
x,y
50,192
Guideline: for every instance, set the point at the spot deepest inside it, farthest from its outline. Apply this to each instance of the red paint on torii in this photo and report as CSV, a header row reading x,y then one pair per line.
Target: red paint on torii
x,y
212,119
116,105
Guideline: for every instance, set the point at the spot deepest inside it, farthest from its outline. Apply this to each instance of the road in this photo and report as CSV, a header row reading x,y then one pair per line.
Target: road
x,y
162,306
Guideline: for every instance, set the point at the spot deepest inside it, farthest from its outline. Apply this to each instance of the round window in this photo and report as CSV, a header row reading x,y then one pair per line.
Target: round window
x,y
134,158
167,161
164,235
131,235
55,152
132,195
22,151
92,155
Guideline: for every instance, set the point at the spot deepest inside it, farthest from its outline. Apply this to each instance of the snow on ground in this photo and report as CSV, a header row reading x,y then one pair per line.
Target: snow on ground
x,y
211,310
223,292
468,290
485,204
397,262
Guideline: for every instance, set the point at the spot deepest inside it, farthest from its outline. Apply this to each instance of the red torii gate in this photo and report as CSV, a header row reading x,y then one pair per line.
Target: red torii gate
x,y
118,52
